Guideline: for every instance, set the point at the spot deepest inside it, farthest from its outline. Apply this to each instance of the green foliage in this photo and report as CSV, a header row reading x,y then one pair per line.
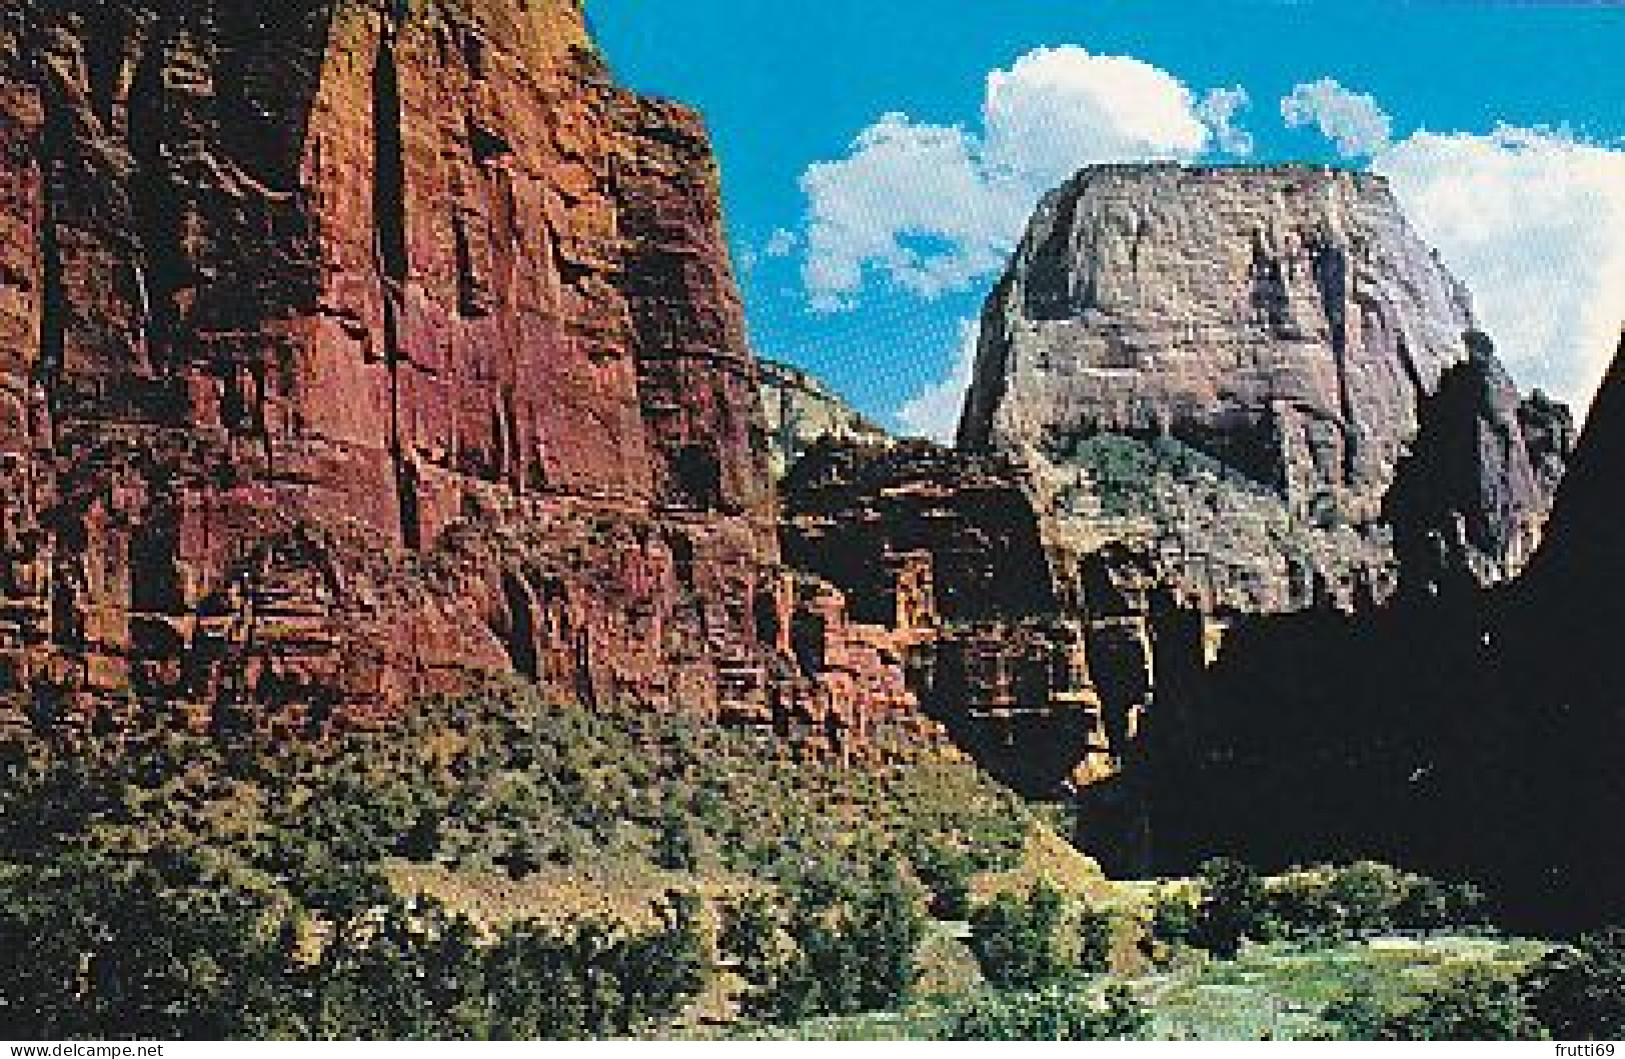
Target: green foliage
x,y
1364,898
1358,1015
504,781
837,950
591,979
1475,1004
1053,1014
1174,919
1233,908
90,947
1095,932
100,947
1578,992
1016,940
269,852
1124,471
676,848
946,872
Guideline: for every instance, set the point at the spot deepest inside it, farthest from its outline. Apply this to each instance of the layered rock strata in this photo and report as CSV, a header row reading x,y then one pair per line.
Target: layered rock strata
x,y
1463,731
1252,348
802,411
1039,661
348,347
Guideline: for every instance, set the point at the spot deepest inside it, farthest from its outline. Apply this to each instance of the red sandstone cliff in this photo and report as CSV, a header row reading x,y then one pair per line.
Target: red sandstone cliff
x,y
348,348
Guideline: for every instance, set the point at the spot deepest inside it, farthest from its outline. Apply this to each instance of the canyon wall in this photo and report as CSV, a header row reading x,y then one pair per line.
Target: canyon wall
x,y
1457,729
1235,476
802,411
350,348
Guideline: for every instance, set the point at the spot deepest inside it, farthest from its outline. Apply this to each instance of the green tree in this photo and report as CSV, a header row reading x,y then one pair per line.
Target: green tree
x,y
1365,896
1174,918
1096,930
95,946
1234,907
888,928
1425,906
845,950
421,843
1016,941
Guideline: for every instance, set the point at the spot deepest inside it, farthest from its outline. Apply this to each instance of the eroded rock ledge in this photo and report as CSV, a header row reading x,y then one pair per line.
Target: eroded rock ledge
x,y
348,348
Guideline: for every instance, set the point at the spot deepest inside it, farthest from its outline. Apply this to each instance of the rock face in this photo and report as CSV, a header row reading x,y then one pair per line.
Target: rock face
x,y
801,411
914,533
1038,660
1234,474
1473,496
1461,730
1254,346
349,347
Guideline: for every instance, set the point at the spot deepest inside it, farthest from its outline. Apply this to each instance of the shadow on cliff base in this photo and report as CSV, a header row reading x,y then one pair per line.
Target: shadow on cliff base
x,y
1456,732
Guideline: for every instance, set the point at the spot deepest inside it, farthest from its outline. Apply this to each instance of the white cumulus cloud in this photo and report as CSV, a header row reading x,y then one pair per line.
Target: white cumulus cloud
x,y
1534,222
1220,108
1355,122
934,412
933,208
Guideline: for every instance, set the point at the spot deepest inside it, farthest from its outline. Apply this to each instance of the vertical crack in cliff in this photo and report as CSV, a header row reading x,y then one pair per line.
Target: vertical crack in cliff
x,y
52,339
155,215
389,226
521,626
1331,267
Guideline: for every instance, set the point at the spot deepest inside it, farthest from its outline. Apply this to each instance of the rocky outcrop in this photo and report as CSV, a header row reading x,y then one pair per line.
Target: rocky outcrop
x,y
1231,364
1472,497
349,347
1038,660
914,533
802,411
1460,730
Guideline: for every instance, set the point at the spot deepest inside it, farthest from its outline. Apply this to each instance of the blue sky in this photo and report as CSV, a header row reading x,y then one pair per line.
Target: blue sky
x,y
875,177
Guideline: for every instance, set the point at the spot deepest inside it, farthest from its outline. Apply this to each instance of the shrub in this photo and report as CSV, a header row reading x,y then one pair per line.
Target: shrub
x,y
946,872
1473,1005
1234,907
1174,918
1357,1016
1016,941
1053,1014
676,848
1364,896
1096,930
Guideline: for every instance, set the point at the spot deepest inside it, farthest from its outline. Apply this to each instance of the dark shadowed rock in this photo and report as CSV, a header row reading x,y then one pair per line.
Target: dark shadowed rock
x,y
1462,730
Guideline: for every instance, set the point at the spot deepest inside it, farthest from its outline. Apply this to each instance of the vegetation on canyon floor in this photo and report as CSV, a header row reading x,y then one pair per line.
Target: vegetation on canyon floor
x,y
509,868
